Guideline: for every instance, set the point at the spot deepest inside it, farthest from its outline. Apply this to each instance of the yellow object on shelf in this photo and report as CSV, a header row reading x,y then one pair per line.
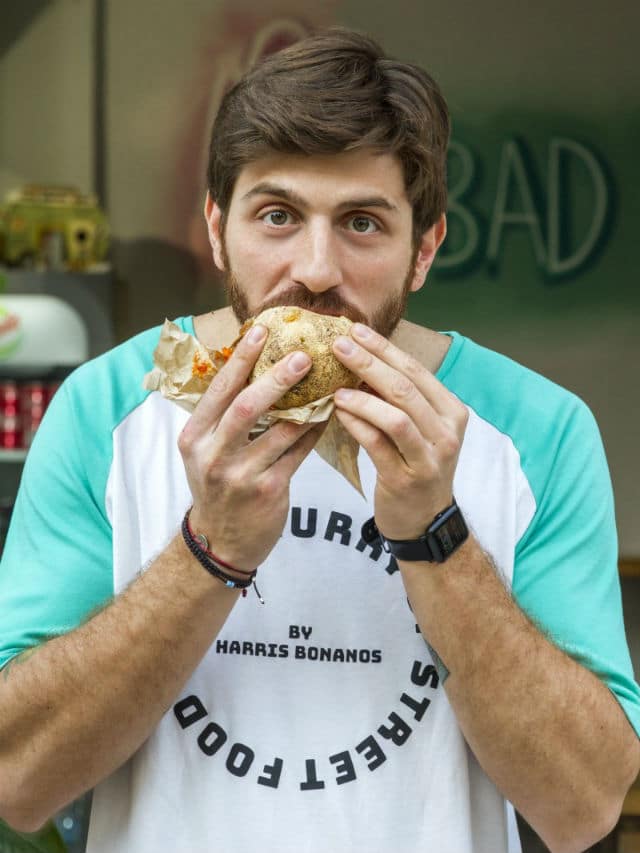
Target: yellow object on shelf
x,y
52,227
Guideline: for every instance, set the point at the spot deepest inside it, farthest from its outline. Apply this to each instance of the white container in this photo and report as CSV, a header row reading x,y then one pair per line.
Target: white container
x,y
40,331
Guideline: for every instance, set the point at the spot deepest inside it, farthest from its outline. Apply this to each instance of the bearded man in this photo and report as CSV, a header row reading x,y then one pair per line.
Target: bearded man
x,y
403,688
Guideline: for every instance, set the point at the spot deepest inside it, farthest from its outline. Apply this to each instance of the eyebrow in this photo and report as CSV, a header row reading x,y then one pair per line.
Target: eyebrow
x,y
267,188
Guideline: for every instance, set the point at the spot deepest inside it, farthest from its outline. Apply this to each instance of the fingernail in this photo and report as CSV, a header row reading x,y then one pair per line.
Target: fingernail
x,y
299,360
344,345
343,394
256,334
361,331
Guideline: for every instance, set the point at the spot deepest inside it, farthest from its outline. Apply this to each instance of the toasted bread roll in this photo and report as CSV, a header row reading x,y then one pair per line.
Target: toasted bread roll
x,y
292,328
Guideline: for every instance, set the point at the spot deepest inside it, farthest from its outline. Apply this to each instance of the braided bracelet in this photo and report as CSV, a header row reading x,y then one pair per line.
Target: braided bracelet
x,y
214,566
204,542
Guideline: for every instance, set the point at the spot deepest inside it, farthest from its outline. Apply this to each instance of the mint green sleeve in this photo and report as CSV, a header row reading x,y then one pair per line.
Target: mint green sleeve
x,y
566,568
56,566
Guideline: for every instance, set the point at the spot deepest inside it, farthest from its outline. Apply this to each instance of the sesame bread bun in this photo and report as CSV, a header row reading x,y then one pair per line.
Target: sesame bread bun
x,y
291,328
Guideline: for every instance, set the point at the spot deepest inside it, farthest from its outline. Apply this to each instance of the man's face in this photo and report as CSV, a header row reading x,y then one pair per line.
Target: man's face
x,y
331,233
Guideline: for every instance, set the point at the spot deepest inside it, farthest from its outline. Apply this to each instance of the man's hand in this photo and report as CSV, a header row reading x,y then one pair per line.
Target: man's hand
x,y
556,743
413,431
164,622
240,487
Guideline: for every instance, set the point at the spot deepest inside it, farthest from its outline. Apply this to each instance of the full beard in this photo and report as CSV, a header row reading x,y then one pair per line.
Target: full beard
x,y
384,319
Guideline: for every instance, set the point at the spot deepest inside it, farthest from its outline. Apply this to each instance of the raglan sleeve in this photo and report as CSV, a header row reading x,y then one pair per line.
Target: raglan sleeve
x,y
566,564
56,566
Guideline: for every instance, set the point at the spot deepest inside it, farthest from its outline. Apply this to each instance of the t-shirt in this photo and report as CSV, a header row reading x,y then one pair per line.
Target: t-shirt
x,y
318,720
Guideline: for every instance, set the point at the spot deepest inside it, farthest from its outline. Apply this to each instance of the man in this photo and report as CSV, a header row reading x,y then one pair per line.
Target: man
x,y
371,703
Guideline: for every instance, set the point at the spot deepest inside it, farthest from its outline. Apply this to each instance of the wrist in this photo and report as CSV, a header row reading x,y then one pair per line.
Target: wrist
x,y
231,576
227,554
435,544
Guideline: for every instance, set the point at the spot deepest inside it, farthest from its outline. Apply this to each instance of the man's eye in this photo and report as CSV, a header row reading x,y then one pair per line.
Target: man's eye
x,y
363,225
276,217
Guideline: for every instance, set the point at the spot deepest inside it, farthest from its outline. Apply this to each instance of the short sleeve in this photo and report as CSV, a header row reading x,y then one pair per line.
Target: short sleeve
x,y
56,564
565,573
566,569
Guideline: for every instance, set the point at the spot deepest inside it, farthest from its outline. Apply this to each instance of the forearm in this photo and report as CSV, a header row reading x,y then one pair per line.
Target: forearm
x,y
546,730
78,706
81,704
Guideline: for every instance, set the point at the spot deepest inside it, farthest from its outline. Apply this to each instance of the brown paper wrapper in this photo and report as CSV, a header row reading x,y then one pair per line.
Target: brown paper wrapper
x,y
183,369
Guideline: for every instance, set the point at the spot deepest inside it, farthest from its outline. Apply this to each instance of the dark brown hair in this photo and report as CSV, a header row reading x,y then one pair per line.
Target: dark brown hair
x,y
331,92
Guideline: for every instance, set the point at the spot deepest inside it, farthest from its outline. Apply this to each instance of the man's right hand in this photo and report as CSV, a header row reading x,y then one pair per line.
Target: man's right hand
x,y
125,665
240,486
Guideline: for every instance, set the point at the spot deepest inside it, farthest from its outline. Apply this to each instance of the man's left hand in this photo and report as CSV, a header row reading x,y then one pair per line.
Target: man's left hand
x,y
412,431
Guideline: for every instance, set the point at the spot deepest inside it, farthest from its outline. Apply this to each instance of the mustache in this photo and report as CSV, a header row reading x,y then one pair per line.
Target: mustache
x,y
327,302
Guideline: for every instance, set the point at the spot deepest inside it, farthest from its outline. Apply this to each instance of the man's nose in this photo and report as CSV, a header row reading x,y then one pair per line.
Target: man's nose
x,y
316,264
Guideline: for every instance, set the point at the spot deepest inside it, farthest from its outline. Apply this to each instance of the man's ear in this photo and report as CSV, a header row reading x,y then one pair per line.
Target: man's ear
x,y
429,244
213,216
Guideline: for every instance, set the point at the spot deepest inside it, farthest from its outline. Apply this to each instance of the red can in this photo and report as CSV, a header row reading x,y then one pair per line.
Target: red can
x,y
10,425
33,402
32,396
9,397
10,432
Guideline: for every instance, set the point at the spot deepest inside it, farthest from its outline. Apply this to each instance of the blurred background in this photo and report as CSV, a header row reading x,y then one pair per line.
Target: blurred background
x,y
105,107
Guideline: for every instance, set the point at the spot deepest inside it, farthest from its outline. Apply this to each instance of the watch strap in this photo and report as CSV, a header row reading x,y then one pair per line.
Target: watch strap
x,y
442,537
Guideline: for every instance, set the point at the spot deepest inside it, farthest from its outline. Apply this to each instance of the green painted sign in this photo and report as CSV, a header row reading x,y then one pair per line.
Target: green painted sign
x,y
564,218
543,219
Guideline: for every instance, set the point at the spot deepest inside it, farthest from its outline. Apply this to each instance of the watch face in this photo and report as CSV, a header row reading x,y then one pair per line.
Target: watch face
x,y
450,531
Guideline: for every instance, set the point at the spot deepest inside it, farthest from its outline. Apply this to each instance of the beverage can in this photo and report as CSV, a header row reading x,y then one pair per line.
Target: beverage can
x,y
10,432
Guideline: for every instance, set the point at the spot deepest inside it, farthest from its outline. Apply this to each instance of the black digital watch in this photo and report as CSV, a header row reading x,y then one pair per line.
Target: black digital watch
x,y
443,536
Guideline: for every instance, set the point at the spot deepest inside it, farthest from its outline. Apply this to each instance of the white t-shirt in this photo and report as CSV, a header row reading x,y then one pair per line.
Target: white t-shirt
x,y
315,722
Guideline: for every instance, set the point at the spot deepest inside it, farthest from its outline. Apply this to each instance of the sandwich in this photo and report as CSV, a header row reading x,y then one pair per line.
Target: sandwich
x,y
291,328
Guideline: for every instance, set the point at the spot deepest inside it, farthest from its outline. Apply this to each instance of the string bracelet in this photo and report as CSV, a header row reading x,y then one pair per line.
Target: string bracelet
x,y
199,547
202,539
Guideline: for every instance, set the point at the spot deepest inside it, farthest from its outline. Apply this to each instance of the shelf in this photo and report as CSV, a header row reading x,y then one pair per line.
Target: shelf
x,y
12,455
